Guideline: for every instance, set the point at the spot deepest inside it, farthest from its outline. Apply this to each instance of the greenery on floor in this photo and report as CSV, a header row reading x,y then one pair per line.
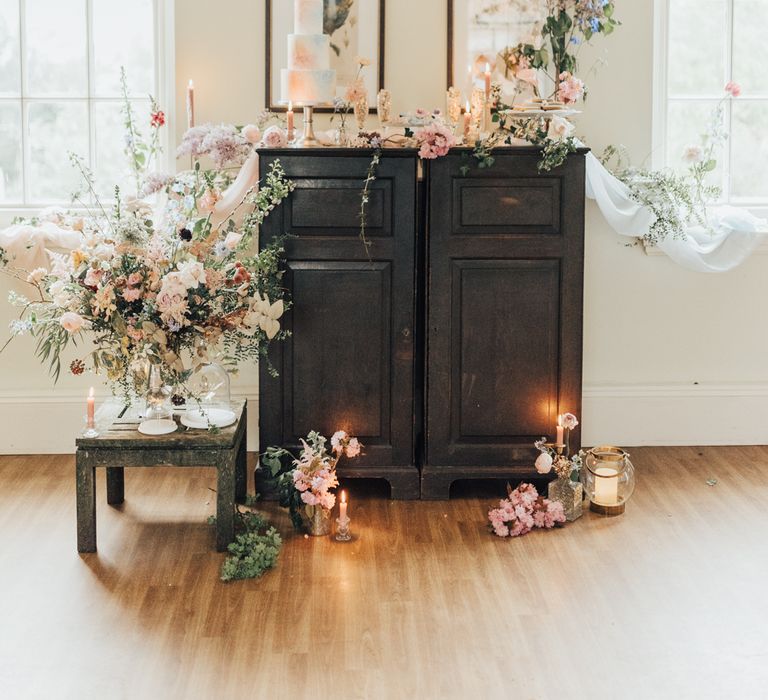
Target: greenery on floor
x,y
256,547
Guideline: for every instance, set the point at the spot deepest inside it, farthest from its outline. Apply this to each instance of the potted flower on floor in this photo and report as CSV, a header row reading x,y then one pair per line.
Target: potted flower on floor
x,y
306,488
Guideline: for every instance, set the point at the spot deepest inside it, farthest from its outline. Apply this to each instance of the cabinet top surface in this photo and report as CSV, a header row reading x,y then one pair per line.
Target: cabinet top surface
x,y
399,152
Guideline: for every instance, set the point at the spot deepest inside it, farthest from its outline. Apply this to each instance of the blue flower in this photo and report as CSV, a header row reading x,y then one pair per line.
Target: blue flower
x,y
595,23
575,40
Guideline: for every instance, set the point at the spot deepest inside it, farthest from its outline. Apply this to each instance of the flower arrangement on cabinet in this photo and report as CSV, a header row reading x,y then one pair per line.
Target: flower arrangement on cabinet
x,y
157,274
307,485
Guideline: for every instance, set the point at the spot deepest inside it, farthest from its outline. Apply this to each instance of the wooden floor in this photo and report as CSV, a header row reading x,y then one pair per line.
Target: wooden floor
x,y
668,601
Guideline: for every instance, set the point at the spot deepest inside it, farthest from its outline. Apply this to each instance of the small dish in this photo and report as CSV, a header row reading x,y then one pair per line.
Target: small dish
x,y
157,427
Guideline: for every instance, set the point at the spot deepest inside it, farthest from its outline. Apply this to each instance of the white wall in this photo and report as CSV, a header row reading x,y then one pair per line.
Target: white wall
x,y
671,357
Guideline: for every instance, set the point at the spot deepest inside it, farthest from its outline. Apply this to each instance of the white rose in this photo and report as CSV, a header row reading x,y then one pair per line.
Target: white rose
x,y
560,129
544,463
72,322
251,133
191,274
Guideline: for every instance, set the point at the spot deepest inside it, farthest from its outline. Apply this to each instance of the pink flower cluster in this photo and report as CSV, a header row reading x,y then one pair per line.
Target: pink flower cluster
x,y
435,140
571,89
522,511
342,444
733,89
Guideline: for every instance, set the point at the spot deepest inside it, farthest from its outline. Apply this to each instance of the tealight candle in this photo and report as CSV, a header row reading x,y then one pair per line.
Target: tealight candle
x,y
290,117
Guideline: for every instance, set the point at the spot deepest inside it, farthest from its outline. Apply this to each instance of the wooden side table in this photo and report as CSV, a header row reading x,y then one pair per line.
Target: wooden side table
x,y
122,445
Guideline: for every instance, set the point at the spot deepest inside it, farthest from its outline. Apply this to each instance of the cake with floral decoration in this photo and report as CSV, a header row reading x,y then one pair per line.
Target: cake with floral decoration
x,y
309,79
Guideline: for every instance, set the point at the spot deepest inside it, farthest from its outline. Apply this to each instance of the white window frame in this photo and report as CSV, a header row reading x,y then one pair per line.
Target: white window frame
x,y
164,41
662,98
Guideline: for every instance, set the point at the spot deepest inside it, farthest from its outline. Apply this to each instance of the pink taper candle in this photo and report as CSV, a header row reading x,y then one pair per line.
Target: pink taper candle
x,y
190,105
91,409
289,118
343,506
560,431
467,122
487,82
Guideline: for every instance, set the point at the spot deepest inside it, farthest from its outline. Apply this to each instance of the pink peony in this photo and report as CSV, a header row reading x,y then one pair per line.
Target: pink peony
x,y
435,140
275,137
571,89
733,89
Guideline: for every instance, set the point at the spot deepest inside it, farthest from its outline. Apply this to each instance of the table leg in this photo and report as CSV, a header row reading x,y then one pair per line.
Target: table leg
x,y
115,485
241,473
225,499
86,503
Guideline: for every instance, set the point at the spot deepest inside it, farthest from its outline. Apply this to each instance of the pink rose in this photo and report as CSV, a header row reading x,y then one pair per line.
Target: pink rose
x,y
251,133
132,294
93,277
72,322
275,137
733,89
134,279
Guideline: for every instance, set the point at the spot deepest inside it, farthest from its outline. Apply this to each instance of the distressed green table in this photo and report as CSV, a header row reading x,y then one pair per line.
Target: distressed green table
x,y
122,445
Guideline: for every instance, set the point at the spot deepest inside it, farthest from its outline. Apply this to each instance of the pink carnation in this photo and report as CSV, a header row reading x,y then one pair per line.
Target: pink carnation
x,y
309,498
571,89
733,89
354,448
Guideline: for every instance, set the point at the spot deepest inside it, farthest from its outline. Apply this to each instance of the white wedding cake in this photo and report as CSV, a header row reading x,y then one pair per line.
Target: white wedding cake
x,y
308,80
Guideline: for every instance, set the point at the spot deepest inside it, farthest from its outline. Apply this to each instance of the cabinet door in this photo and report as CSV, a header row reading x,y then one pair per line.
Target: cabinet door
x,y
349,362
504,310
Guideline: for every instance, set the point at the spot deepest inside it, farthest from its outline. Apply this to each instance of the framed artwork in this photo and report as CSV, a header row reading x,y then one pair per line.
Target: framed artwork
x,y
479,29
356,28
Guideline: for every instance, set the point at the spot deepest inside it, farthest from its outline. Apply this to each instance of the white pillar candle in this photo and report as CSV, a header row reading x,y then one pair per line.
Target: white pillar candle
x,y
606,487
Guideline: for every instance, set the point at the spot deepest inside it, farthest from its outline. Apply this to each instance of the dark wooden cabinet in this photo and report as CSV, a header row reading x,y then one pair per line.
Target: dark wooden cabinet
x,y
350,362
504,314
456,344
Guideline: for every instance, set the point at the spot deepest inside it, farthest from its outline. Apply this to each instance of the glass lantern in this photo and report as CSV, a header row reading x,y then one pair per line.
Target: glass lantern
x,y
609,479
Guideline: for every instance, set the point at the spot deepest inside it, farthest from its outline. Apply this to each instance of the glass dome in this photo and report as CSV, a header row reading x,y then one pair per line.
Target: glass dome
x,y
208,387
158,405
609,479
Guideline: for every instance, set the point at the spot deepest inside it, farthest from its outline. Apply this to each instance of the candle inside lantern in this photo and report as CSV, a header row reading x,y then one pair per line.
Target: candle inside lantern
x,y
91,412
487,82
606,487
190,104
290,123
467,122
343,506
560,432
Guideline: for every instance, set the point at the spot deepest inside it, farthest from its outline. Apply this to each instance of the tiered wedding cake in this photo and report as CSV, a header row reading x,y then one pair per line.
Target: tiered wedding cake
x,y
308,80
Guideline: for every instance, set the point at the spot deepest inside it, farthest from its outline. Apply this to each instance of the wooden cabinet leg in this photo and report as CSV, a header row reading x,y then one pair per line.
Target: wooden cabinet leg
x,y
115,485
85,476
241,473
225,500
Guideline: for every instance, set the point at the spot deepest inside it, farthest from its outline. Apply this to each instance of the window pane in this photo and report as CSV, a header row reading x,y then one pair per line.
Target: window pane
x,y
111,163
697,41
55,129
123,36
687,121
10,69
749,150
56,41
10,154
750,50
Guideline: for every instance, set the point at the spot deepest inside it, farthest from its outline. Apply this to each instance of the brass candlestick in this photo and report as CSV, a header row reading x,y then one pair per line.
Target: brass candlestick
x,y
308,138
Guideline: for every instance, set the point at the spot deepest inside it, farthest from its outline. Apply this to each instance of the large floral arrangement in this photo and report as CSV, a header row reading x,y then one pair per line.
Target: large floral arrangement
x,y
522,511
308,483
163,278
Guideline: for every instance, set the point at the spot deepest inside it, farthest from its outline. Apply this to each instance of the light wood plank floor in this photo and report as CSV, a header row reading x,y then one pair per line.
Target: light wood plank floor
x,y
669,601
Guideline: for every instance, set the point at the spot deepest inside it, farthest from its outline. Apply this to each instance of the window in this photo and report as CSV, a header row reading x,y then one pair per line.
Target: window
x,y
60,91
701,46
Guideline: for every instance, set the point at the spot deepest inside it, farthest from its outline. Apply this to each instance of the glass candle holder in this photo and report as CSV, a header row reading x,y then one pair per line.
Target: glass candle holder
x,y
609,479
342,530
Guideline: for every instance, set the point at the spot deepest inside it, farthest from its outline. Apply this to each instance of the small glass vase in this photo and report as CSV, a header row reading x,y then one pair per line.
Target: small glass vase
x,y
318,521
570,494
341,136
361,112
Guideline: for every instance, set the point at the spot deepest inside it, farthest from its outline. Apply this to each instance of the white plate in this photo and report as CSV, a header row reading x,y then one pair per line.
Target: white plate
x,y
202,420
157,427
